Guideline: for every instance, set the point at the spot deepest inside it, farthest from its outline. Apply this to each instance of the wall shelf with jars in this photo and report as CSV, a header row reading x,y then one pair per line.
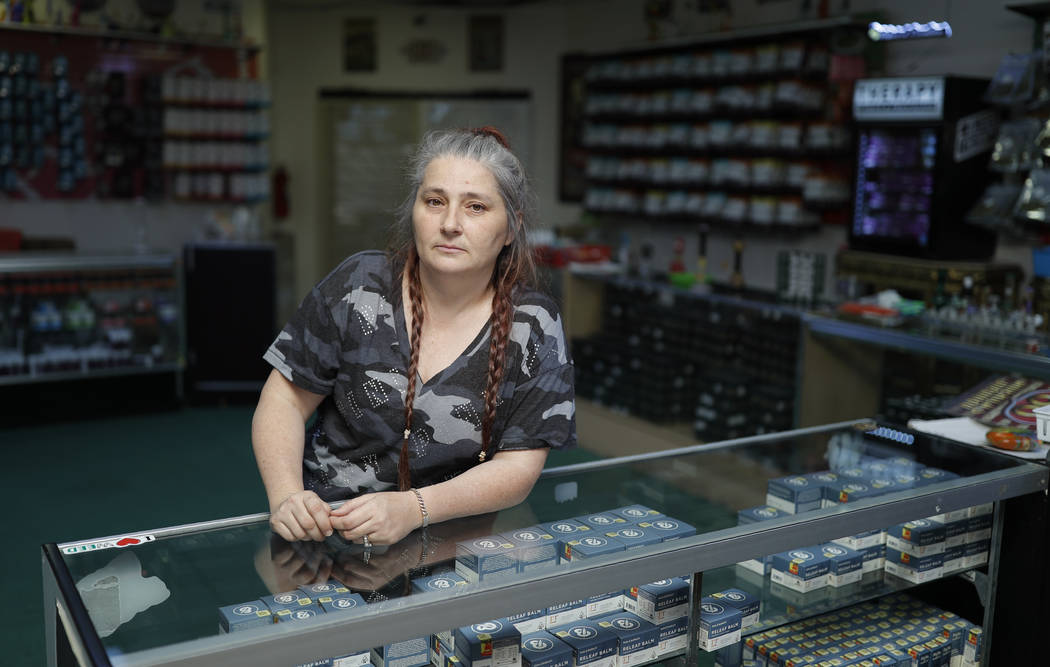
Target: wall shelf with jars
x,y
747,130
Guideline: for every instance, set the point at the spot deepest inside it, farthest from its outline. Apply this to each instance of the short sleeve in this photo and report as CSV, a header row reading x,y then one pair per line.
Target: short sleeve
x,y
306,352
542,412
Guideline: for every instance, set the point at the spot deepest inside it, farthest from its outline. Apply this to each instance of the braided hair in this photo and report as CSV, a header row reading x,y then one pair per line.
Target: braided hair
x,y
515,265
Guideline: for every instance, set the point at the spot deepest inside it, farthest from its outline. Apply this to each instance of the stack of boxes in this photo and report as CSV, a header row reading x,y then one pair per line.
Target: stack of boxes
x,y
917,551
894,630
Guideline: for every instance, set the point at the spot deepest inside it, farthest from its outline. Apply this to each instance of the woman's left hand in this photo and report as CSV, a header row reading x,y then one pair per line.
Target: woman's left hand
x,y
385,517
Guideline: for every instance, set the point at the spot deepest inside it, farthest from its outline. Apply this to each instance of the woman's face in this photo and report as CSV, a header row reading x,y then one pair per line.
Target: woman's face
x,y
458,219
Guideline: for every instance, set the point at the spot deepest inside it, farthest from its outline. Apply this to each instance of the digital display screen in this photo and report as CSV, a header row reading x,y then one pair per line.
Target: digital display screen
x,y
895,184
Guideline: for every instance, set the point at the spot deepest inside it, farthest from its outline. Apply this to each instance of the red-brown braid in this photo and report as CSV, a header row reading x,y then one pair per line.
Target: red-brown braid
x,y
502,311
415,298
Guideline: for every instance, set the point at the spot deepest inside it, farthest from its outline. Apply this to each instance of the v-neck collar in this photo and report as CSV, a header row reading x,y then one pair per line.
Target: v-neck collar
x,y
406,347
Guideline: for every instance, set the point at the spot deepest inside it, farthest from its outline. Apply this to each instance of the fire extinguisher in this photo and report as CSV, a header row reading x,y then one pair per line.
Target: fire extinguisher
x,y
280,193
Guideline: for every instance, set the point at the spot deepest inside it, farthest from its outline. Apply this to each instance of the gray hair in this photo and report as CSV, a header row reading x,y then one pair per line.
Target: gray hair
x,y
485,146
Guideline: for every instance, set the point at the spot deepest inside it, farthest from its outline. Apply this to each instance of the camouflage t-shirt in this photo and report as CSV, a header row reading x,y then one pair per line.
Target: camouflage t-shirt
x,y
348,341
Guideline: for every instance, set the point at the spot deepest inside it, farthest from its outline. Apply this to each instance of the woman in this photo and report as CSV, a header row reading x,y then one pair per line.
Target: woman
x,y
453,308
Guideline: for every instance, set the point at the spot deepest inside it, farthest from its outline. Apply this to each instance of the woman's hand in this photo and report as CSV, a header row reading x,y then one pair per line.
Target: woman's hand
x,y
301,516
385,517
299,563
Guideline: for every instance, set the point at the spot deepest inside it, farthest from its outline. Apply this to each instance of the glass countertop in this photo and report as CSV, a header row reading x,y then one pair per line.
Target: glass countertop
x,y
156,594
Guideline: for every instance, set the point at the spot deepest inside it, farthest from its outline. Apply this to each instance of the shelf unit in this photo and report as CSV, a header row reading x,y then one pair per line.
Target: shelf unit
x,y
768,92
209,565
67,317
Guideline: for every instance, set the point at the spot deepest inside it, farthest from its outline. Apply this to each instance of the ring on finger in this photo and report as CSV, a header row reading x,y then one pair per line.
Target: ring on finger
x,y
365,541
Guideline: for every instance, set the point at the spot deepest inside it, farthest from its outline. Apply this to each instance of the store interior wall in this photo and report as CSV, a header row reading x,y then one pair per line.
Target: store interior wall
x,y
304,44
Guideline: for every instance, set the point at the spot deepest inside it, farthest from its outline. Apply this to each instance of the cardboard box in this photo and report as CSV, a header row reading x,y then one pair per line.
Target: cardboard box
x,y
245,615
979,528
918,537
874,558
803,570
344,603
794,494
534,549
446,582
954,559
975,553
730,656
353,659
674,636
933,476
638,639
300,614
747,603
760,513
974,647
955,533
529,621
329,589
636,513
441,647
566,529
590,546
542,649
601,521
862,541
287,601
566,612
846,565
408,653
635,536
659,601
916,569
489,644
591,644
485,558
669,528
719,624
604,603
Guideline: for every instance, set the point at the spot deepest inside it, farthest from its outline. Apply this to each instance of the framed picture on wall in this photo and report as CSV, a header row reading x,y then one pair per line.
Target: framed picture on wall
x,y
359,45
572,164
485,37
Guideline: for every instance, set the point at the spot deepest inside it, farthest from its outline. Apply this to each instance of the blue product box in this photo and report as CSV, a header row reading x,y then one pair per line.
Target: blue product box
x,y
245,615
956,632
659,601
747,604
497,643
534,549
441,647
918,537
979,510
353,659
853,472
847,565
408,653
756,514
674,636
566,612
793,494
851,490
290,600
934,475
874,558
330,589
589,546
529,621
638,638
719,624
301,614
916,569
485,558
635,536
601,521
668,528
974,646
604,603
979,528
352,602
803,570
955,533
447,582
636,513
591,643
976,553
732,656
542,649
861,541
566,529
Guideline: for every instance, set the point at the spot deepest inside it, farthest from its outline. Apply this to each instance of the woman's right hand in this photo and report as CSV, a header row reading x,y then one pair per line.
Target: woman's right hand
x,y
301,516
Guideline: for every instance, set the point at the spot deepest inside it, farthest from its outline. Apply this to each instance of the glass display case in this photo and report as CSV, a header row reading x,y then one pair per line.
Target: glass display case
x,y
155,597
71,316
